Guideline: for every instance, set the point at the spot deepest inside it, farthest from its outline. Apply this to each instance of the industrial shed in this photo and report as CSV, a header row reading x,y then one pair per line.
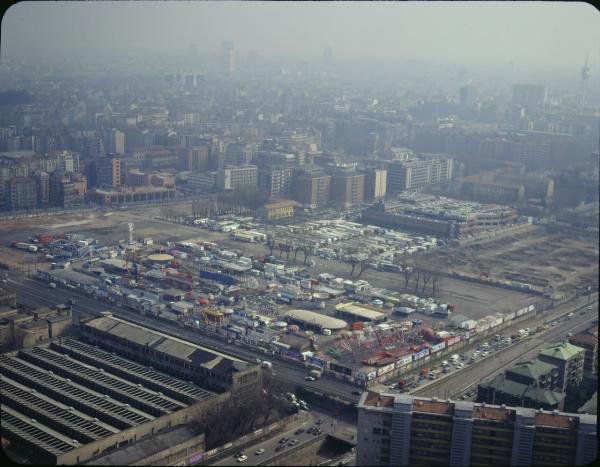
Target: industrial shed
x,y
357,312
319,321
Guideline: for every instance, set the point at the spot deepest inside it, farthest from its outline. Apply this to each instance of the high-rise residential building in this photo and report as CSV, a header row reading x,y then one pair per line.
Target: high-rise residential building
x,y
227,57
203,182
119,142
195,158
468,96
375,184
105,171
21,193
529,95
348,187
418,172
398,430
232,177
568,358
277,181
239,154
589,342
312,188
43,187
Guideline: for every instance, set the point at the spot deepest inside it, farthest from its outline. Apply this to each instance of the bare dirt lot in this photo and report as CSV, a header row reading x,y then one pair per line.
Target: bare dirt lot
x,y
536,257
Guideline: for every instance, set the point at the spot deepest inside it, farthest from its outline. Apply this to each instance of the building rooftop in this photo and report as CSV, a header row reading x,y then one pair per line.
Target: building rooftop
x,y
431,406
562,351
533,369
317,319
179,348
360,311
584,338
282,203
162,441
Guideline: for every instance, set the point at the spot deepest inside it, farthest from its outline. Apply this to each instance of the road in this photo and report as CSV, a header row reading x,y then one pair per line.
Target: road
x,y
34,294
461,381
344,426
270,444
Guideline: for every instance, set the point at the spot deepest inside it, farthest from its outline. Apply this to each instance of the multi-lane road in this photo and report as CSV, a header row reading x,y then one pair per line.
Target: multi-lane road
x,y
461,381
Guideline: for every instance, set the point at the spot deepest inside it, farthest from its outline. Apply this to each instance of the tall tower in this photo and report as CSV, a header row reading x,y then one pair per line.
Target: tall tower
x,y
585,76
227,57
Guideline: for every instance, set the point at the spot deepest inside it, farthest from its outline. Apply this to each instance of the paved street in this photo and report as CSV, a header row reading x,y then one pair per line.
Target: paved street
x,y
458,382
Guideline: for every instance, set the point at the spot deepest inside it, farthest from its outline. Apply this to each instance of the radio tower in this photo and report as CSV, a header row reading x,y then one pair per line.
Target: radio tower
x,y
585,75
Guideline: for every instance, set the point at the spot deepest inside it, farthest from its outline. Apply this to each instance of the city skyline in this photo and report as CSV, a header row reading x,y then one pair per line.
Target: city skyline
x,y
502,32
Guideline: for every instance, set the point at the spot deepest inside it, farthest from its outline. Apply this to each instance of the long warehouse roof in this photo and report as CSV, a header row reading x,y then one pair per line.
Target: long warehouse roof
x,y
310,317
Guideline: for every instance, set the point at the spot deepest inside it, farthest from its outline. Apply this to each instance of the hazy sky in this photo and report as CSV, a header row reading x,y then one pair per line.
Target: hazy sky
x,y
540,33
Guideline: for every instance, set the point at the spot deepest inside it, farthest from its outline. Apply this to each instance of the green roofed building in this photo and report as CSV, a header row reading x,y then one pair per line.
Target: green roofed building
x,y
568,358
527,384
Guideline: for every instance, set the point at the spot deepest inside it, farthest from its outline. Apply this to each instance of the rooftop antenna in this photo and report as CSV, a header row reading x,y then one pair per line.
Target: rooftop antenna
x,y
130,225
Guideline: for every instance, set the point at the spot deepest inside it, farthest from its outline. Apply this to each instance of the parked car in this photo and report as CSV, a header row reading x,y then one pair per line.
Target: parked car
x,y
299,431
258,452
285,439
242,458
281,447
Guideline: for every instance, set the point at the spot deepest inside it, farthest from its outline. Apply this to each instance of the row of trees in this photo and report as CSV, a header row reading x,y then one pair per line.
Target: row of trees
x,y
228,421
417,274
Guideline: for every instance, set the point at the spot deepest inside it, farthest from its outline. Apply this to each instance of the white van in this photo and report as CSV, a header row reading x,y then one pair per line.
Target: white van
x,y
327,332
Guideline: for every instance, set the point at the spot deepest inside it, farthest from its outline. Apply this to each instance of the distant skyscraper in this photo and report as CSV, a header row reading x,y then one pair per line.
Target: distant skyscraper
x,y
529,95
227,57
585,76
327,55
193,52
467,96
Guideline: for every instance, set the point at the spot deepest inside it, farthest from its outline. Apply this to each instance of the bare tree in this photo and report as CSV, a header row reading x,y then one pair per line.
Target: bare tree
x,y
407,273
435,281
364,266
426,278
417,276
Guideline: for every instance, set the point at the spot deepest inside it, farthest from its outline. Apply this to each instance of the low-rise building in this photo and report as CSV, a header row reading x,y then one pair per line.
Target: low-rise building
x,y
528,384
281,209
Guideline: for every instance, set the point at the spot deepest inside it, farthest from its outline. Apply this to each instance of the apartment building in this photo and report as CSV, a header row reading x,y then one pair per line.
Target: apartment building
x,y
398,429
589,342
527,384
569,359
232,177
348,187
415,173
21,193
277,181
312,189
375,184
